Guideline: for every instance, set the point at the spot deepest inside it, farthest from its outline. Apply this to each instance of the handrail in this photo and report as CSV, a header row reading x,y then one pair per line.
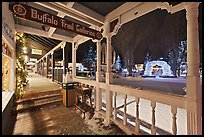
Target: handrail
x,y
173,100
168,99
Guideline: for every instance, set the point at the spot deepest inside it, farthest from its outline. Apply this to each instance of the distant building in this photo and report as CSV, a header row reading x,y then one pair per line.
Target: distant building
x,y
79,66
139,67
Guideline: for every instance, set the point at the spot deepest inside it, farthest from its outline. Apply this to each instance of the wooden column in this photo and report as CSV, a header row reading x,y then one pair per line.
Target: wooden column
x,y
63,61
98,79
109,77
125,109
194,103
98,72
37,64
115,109
63,57
53,64
114,56
109,93
74,44
137,122
42,67
47,65
103,53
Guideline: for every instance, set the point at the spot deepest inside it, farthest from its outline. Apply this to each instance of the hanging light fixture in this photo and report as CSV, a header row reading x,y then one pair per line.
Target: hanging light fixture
x,y
45,27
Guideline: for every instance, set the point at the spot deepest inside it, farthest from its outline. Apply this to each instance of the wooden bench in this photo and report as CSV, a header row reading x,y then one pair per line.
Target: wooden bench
x,y
83,107
85,93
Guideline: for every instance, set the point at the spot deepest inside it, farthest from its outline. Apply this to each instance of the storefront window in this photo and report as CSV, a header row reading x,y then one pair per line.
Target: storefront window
x,y
6,67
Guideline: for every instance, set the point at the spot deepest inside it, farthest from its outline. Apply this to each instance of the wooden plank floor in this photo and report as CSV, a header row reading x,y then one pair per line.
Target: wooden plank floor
x,y
51,118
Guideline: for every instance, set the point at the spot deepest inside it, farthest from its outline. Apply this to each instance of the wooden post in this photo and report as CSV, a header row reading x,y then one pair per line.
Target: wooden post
x,y
109,93
137,122
74,44
153,128
115,110
174,112
125,109
194,96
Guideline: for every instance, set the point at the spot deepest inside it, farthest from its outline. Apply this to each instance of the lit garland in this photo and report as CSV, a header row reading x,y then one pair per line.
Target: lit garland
x,y
21,74
5,69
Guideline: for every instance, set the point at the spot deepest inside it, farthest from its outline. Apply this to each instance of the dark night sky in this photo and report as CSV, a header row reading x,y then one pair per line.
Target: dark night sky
x,y
157,31
83,49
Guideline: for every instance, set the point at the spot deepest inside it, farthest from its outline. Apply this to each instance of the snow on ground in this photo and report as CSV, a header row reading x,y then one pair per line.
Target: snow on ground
x,y
174,80
162,113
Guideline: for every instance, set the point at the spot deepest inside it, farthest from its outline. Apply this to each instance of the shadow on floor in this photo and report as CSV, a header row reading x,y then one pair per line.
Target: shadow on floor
x,y
142,123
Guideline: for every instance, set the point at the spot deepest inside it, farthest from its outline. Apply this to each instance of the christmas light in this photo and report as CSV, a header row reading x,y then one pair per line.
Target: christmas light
x,y
21,72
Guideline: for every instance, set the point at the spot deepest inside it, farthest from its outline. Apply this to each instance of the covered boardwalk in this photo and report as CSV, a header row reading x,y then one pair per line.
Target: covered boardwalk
x,y
108,25
49,116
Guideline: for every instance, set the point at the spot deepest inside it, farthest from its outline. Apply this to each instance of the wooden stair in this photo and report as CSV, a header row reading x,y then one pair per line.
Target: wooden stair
x,y
36,100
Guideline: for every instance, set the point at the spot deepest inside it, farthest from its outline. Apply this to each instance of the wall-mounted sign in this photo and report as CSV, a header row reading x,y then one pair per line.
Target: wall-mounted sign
x,y
36,15
7,29
33,60
6,50
36,51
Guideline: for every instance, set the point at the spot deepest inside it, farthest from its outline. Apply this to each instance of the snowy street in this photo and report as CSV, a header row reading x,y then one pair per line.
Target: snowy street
x,y
165,85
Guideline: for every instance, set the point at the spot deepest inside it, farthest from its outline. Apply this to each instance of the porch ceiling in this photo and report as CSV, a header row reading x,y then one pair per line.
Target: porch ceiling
x,y
102,8
46,42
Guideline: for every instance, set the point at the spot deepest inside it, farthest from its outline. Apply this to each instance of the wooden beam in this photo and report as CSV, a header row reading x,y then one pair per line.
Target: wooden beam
x,y
121,10
61,44
70,4
39,42
46,42
34,31
84,11
133,10
69,13
178,7
80,39
52,30
38,45
141,10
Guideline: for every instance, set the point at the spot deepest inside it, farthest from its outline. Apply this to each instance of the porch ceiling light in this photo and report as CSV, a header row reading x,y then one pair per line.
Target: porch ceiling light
x,y
45,27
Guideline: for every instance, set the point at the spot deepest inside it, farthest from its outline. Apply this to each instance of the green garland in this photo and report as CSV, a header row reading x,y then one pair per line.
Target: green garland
x,y
21,73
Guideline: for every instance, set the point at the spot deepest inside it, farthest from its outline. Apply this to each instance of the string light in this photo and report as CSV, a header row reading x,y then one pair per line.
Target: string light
x,y
20,66
5,71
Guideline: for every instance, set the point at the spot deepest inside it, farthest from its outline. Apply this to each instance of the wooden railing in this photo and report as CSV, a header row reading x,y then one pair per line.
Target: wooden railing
x,y
178,102
172,100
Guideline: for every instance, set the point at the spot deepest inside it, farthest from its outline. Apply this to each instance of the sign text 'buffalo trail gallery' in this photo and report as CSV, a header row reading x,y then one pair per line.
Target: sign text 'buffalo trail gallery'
x,y
39,16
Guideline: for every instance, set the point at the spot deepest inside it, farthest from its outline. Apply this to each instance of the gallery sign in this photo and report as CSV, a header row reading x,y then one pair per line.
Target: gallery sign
x,y
36,51
33,60
36,15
